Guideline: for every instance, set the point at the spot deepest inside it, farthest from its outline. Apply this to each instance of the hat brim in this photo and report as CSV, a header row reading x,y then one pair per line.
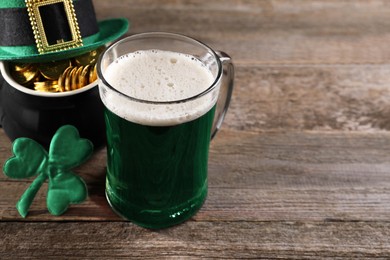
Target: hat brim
x,y
109,30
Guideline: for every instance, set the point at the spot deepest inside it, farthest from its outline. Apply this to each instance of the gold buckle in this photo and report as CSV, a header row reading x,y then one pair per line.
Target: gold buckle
x,y
43,45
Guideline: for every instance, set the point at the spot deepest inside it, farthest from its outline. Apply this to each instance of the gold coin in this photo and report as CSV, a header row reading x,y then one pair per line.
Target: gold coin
x,y
26,76
84,75
76,84
52,70
68,79
61,79
20,67
46,86
89,58
93,74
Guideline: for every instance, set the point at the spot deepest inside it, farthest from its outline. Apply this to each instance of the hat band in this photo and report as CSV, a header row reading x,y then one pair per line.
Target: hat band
x,y
17,29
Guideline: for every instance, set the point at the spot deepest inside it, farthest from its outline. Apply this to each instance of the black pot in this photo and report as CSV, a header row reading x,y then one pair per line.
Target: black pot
x,y
38,115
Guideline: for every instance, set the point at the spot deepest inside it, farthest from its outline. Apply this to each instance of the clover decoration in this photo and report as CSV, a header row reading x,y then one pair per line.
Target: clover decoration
x,y
67,151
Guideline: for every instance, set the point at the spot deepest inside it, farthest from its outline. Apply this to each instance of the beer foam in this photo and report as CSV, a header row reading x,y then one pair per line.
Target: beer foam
x,y
158,76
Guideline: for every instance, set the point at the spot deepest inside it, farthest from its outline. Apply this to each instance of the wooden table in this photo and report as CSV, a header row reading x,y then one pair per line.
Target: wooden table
x,y
301,167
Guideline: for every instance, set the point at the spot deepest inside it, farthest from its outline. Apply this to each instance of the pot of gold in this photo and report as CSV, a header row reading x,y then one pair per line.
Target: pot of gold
x,y
38,98
49,67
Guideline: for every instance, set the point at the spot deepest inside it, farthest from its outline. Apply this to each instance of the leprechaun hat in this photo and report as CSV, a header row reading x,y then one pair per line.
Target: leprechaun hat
x,y
44,30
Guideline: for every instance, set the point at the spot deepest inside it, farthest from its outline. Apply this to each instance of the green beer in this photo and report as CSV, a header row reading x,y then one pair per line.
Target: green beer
x,y
158,135
157,176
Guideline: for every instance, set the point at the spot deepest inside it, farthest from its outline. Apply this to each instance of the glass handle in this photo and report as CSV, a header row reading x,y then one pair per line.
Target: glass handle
x,y
225,92
1,92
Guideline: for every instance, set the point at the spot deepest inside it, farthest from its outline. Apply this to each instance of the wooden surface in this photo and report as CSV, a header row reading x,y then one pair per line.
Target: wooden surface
x,y
301,167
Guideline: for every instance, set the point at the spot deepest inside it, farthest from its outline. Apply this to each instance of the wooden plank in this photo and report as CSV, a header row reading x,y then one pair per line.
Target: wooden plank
x,y
319,97
292,176
232,240
269,32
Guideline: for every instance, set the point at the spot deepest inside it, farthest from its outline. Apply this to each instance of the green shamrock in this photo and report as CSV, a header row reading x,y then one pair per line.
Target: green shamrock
x,y
67,151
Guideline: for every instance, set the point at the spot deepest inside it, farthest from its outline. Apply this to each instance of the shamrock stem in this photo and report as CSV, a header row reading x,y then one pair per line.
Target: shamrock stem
x,y
28,196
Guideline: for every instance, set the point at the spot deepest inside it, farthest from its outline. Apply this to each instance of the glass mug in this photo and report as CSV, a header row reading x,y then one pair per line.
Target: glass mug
x,y
160,92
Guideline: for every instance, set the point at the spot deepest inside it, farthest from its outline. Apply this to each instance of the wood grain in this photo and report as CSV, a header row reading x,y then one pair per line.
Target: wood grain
x,y
301,167
276,176
339,97
269,31
220,240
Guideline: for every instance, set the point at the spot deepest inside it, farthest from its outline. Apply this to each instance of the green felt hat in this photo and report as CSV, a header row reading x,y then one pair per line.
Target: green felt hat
x,y
43,30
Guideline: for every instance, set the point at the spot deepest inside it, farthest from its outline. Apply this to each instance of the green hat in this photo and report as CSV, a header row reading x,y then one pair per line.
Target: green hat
x,y
43,30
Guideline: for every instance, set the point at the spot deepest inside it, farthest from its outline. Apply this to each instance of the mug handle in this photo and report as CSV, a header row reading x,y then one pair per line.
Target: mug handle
x,y
225,92
1,91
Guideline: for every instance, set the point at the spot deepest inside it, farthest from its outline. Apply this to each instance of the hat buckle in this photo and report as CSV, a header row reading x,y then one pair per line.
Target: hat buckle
x,y
47,41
